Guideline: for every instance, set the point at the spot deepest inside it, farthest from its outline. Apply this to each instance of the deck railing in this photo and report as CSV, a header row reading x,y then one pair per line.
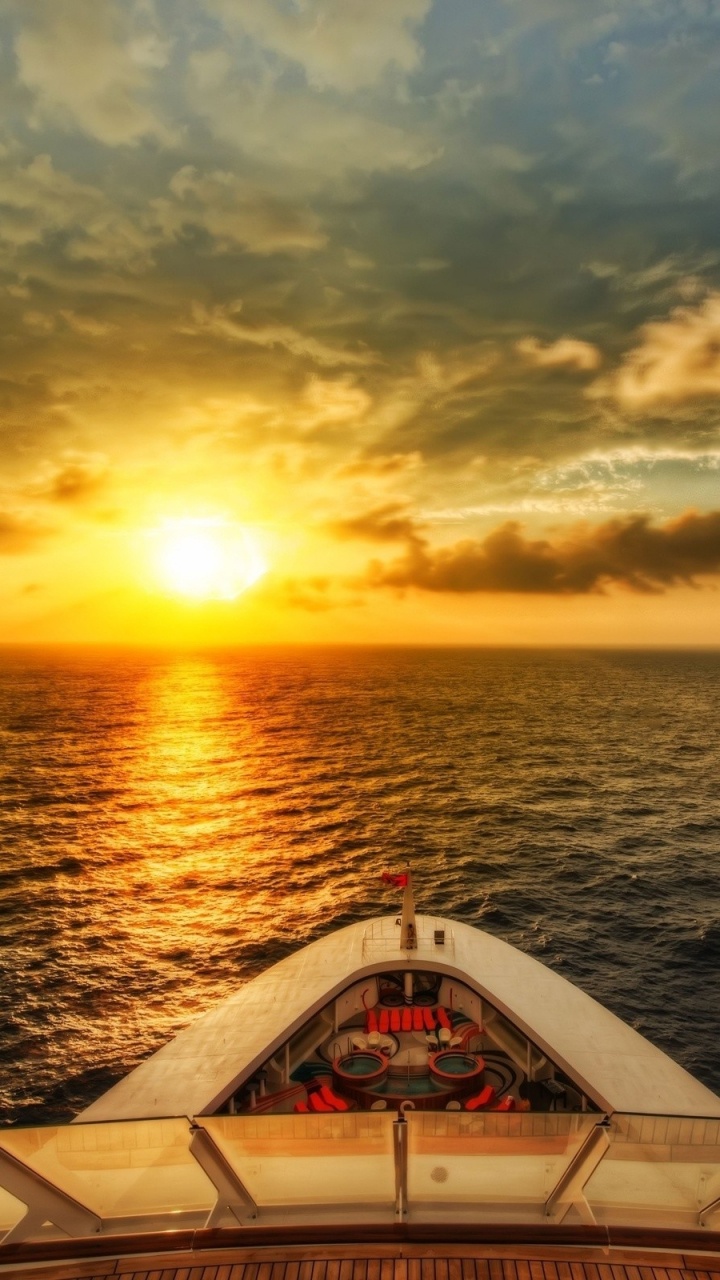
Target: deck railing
x,y
381,938
426,1167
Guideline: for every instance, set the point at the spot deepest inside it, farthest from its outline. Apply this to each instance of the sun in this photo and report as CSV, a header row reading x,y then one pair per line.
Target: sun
x,y
207,558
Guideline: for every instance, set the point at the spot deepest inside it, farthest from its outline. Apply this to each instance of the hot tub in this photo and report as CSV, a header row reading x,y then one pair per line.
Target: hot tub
x,y
363,1068
453,1067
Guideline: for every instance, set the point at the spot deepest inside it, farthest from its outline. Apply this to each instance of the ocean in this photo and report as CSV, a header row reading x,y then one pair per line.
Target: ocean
x,y
173,822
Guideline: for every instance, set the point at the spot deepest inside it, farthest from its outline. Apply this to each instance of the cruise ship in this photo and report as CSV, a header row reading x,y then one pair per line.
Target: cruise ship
x,y
408,1098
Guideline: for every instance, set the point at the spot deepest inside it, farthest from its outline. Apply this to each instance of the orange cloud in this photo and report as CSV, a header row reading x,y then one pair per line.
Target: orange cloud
x,y
222,322
677,360
389,523
19,533
565,353
74,478
381,464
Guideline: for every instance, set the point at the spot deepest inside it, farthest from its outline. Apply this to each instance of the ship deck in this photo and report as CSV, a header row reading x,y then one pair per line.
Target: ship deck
x,y
389,1262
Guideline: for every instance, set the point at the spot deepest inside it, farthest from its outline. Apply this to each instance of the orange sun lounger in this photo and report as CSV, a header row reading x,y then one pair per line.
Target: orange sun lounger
x,y
481,1100
316,1102
333,1099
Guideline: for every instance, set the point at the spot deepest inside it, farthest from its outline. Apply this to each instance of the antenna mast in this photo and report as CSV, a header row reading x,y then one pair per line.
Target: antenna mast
x,y
408,930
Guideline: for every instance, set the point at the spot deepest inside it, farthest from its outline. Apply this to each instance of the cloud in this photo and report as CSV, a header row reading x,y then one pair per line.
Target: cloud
x,y
664,282
318,594
381,464
311,594
44,206
90,66
221,321
38,322
389,523
41,203
630,552
333,402
677,360
565,353
301,138
87,326
429,397
341,44
76,477
19,533
234,212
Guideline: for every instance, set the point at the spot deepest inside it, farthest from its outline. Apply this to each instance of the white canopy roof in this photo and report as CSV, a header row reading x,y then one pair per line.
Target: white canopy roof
x,y
203,1065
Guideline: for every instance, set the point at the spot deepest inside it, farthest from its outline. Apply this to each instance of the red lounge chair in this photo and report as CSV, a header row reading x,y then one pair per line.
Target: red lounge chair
x,y
394,1019
371,1022
384,1022
333,1099
482,1099
443,1019
301,1106
407,1020
428,1019
316,1102
417,1017
507,1104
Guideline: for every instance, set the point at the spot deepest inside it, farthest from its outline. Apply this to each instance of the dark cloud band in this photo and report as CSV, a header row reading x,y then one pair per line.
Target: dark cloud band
x,y
631,552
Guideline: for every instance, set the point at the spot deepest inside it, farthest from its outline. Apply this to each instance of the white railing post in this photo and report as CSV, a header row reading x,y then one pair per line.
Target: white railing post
x,y
44,1201
233,1195
568,1190
708,1211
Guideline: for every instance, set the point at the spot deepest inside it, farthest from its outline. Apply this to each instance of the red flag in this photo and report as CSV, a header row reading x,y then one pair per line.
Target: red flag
x,y
399,881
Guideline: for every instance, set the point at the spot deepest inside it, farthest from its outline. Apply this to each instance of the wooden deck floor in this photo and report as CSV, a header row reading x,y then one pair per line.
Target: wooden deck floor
x,y
406,1262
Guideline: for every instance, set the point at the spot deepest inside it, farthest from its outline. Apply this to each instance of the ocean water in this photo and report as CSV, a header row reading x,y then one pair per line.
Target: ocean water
x,y
171,823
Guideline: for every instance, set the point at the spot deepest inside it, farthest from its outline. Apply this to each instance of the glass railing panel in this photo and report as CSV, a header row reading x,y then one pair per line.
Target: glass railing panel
x,y
128,1168
322,1160
657,1169
504,1165
11,1211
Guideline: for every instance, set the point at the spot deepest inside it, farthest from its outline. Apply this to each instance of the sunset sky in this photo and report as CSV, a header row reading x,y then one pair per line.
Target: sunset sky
x,y
409,311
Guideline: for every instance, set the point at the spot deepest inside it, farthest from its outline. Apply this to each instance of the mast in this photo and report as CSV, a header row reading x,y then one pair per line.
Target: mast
x,y
408,930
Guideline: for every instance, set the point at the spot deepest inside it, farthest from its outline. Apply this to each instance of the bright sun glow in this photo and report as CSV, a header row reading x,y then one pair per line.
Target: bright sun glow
x,y
207,559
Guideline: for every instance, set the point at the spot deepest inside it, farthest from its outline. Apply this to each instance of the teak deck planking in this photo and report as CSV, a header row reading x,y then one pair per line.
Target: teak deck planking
x,y
406,1262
